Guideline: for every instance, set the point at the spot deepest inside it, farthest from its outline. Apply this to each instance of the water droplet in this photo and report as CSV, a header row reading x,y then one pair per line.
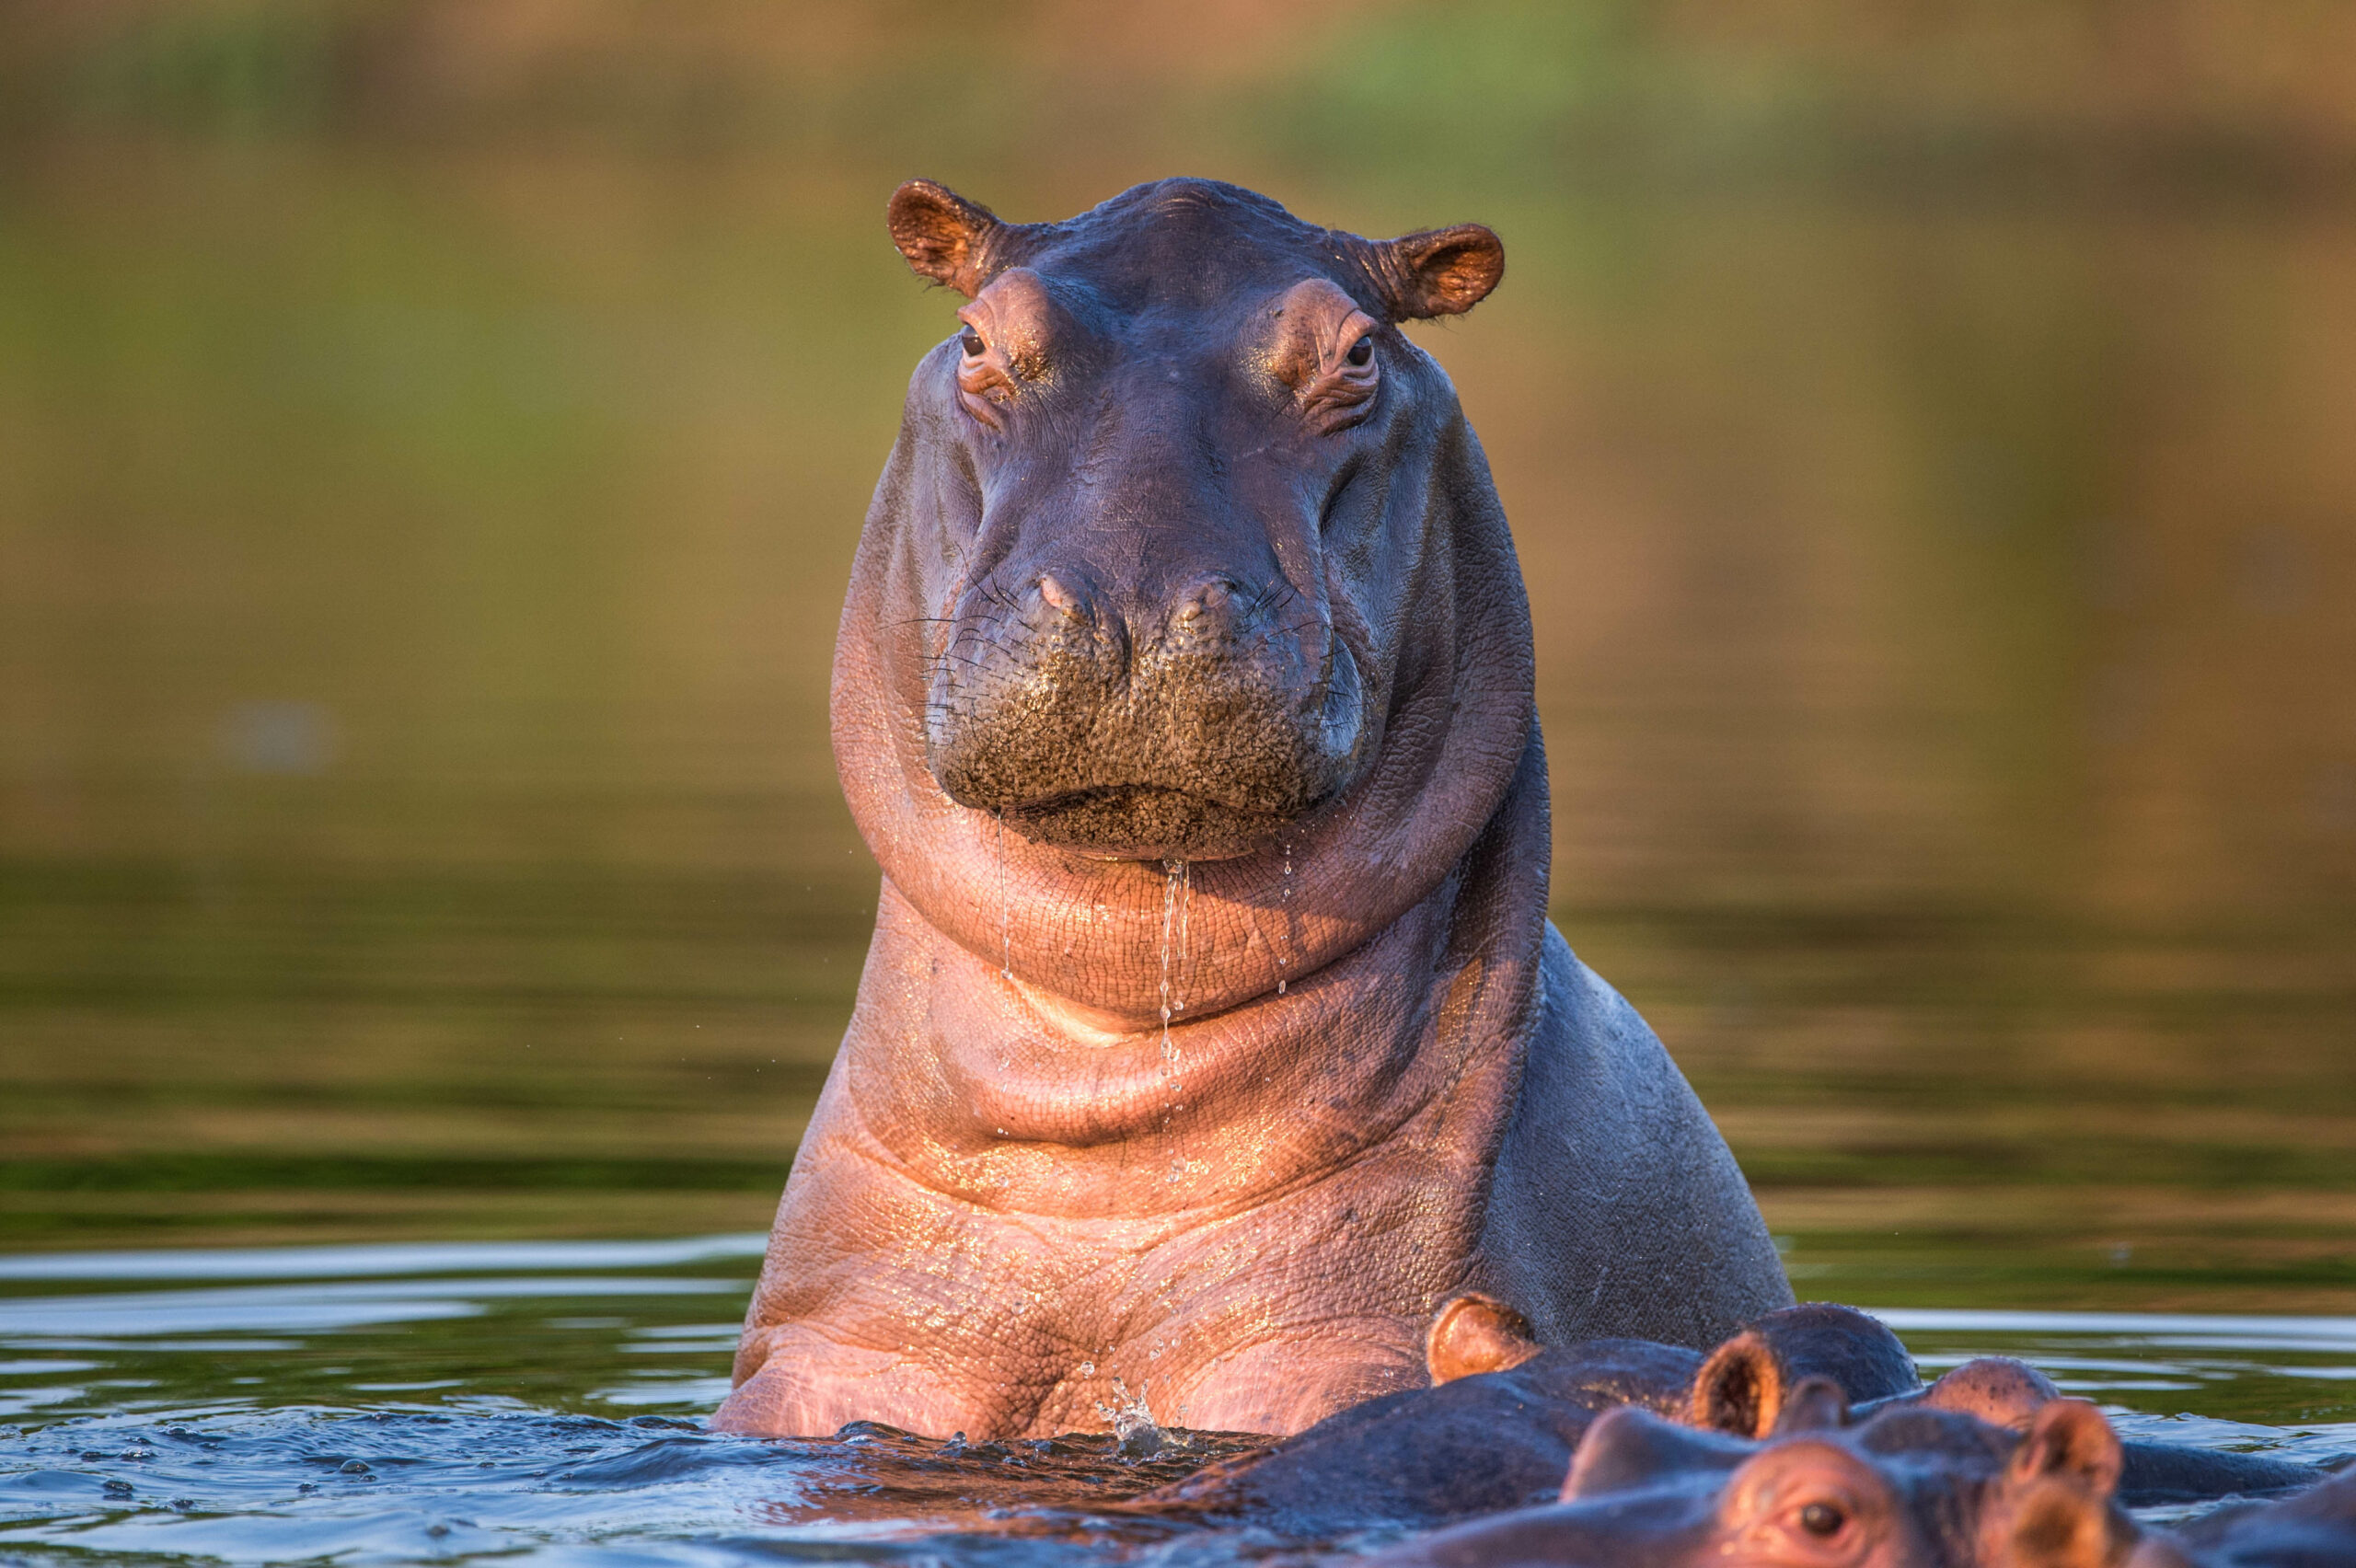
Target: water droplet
x,y
1172,873
1132,1422
1284,921
1088,1369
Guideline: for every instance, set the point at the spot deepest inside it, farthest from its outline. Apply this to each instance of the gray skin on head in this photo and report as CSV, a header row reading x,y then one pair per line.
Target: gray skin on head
x,y
1185,675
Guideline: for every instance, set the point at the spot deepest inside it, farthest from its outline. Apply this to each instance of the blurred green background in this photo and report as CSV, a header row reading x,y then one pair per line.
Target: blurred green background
x,y
432,437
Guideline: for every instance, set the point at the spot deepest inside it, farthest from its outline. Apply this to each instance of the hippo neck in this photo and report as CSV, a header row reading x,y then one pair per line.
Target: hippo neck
x,y
1451,684
975,1090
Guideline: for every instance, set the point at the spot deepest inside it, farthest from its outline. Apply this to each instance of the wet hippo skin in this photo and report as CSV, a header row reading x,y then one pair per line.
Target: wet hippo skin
x,y
1910,1487
1988,1466
1498,1429
2316,1529
1185,672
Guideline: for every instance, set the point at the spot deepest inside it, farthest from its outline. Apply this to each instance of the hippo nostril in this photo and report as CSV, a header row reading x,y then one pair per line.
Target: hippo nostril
x,y
1058,596
1207,599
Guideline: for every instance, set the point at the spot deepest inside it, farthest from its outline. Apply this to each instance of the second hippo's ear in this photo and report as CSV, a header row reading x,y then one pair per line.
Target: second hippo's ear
x,y
1739,1390
1475,1334
2057,1507
2069,1440
1439,272
1814,1404
945,237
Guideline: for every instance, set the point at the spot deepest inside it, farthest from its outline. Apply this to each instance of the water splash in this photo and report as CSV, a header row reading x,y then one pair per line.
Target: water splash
x,y
1140,1436
1005,910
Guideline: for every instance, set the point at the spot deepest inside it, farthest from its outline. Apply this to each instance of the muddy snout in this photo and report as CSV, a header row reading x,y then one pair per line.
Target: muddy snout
x,y
1190,724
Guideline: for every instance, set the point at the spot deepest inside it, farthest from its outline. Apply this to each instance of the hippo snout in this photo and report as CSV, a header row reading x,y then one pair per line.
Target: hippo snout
x,y
1191,723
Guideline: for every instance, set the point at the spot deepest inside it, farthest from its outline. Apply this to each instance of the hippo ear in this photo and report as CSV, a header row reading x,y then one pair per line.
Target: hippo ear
x,y
1476,1333
1739,1390
945,237
1439,272
1814,1404
2060,1512
2069,1440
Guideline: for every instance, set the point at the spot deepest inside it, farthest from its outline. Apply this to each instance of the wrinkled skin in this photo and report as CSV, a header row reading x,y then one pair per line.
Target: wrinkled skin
x,y
1186,554
1910,1487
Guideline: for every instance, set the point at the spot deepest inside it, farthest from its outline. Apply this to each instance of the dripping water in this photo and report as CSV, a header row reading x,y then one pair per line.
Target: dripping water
x,y
1174,877
1283,919
1005,910
1177,889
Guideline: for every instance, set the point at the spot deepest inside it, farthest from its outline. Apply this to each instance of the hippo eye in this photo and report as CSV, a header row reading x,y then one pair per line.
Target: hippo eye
x,y
971,343
1823,1519
1362,351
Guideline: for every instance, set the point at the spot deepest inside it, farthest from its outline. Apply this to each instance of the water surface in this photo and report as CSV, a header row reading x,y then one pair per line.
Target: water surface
x,y
430,462
528,1401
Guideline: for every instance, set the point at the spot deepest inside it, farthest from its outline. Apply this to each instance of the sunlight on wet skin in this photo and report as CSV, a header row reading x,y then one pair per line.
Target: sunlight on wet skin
x,y
551,1403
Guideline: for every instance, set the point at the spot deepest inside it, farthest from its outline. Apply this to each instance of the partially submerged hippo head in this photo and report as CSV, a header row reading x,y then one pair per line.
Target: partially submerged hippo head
x,y
1745,1385
1172,422
1912,1487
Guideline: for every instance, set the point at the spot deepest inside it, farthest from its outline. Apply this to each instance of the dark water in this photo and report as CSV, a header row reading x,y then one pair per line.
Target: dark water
x,y
542,1401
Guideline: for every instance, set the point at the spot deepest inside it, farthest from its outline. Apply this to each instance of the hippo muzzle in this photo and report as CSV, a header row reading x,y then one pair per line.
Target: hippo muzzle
x,y
1187,727
1142,656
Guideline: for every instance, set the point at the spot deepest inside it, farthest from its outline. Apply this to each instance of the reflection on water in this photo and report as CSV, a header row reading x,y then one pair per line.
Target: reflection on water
x,y
432,439
456,1401
433,831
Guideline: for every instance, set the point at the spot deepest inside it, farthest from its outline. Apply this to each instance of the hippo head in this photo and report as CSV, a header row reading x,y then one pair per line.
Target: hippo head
x,y
1171,619
1915,1487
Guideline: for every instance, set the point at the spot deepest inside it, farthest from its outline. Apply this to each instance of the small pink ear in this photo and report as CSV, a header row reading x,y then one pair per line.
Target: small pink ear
x,y
945,237
1439,272
2069,1440
1739,1390
1476,1333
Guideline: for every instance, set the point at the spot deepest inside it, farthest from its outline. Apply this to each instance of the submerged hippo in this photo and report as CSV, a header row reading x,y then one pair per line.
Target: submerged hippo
x,y
2316,1529
1213,1033
1913,1486
1498,1429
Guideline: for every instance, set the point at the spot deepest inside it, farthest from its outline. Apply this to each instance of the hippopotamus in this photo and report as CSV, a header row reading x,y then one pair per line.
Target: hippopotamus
x,y
1851,1367
1498,1428
1911,1486
1213,1031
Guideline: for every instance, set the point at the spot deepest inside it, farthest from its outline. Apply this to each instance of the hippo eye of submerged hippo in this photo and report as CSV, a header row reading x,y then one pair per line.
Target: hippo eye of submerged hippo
x,y
1823,1518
